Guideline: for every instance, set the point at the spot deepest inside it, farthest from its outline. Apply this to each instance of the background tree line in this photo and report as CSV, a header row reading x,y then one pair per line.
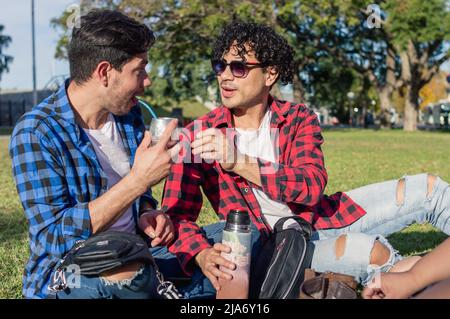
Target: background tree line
x,y
341,46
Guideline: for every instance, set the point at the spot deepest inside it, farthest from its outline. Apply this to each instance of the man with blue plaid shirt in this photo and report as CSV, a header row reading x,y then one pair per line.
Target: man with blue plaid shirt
x,y
83,164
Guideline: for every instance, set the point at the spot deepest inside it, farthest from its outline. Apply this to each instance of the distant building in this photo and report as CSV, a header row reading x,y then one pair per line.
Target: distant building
x,y
14,104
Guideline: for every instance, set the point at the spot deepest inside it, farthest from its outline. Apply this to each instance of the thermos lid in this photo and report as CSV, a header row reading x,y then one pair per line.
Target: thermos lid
x,y
238,217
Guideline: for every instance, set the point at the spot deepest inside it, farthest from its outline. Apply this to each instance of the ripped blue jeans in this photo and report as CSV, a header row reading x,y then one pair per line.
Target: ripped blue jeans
x,y
386,214
142,285
389,210
355,260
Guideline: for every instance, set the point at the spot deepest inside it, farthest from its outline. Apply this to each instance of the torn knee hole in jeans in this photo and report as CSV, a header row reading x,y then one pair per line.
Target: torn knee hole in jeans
x,y
431,180
380,254
400,192
374,269
123,282
340,246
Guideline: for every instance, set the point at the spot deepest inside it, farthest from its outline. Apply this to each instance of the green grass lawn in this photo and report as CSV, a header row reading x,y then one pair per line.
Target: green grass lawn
x,y
353,158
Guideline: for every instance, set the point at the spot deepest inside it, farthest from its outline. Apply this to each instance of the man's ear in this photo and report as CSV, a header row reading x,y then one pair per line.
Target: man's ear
x,y
102,73
271,76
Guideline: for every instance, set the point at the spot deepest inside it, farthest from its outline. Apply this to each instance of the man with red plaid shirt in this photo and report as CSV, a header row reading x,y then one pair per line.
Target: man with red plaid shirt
x,y
263,155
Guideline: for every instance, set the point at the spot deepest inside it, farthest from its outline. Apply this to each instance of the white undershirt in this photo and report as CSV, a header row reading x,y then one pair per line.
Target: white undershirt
x,y
115,163
257,143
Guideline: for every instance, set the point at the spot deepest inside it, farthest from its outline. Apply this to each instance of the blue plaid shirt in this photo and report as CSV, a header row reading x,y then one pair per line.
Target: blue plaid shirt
x,y
57,174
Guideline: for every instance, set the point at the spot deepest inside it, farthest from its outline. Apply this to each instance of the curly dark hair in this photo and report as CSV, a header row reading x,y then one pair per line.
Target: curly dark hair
x,y
270,48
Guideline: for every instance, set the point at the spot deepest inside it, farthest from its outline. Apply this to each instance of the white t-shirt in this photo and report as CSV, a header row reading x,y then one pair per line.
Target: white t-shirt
x,y
257,143
114,161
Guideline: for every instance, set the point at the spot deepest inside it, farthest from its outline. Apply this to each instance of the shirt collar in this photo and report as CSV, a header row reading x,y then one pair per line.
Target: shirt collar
x,y
62,105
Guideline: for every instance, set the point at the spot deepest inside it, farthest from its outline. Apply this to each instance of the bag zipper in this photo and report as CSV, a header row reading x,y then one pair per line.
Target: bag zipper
x,y
298,269
59,275
270,268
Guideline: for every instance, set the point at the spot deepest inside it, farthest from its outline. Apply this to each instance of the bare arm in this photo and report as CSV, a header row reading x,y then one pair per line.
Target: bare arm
x,y
433,267
107,209
151,165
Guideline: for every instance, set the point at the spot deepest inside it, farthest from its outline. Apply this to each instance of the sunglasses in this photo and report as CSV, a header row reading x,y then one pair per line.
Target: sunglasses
x,y
239,69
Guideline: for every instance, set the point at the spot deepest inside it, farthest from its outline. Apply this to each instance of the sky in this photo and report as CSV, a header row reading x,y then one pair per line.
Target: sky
x,y
15,16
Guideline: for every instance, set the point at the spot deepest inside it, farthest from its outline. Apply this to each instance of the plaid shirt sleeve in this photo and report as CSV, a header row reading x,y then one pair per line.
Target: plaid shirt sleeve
x,y
182,201
43,192
303,179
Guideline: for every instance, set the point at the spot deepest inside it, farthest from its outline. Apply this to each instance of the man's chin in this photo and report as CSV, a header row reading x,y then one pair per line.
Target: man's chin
x,y
122,111
229,103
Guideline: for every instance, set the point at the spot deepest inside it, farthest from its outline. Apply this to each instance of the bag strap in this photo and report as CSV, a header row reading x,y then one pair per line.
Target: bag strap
x,y
305,227
166,289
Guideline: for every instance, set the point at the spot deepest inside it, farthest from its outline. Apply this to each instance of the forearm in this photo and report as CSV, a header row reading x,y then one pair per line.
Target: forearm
x,y
108,208
433,267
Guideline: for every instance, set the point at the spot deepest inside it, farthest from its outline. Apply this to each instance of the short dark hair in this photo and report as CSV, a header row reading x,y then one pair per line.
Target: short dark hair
x,y
106,35
270,48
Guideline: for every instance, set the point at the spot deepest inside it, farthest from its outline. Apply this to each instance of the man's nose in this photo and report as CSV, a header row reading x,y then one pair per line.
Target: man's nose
x,y
147,82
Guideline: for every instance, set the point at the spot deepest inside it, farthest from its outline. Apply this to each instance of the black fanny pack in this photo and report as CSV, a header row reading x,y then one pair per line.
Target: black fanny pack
x,y
279,268
107,251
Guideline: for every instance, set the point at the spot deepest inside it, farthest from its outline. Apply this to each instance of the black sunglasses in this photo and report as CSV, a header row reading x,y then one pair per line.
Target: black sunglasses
x,y
239,69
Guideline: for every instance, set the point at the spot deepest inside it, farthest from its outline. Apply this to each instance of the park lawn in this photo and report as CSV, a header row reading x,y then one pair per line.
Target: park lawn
x,y
353,158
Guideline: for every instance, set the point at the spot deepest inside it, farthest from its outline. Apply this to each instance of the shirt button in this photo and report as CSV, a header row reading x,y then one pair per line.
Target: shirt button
x,y
245,190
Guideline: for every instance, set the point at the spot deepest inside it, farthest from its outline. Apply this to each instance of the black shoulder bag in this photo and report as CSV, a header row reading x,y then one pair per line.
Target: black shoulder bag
x,y
279,268
106,251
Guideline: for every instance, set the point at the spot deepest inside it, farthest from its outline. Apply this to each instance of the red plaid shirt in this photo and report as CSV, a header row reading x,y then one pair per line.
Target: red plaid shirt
x,y
298,180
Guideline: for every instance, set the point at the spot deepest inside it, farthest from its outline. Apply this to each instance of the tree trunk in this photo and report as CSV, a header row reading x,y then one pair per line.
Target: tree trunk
x,y
385,90
299,92
384,94
363,117
411,110
411,89
385,98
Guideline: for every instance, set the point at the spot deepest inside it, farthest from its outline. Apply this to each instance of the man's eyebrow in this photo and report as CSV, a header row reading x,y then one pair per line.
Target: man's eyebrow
x,y
143,62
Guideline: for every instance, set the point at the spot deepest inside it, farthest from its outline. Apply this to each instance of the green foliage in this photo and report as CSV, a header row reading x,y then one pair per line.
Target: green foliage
x,y
329,36
419,21
5,60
